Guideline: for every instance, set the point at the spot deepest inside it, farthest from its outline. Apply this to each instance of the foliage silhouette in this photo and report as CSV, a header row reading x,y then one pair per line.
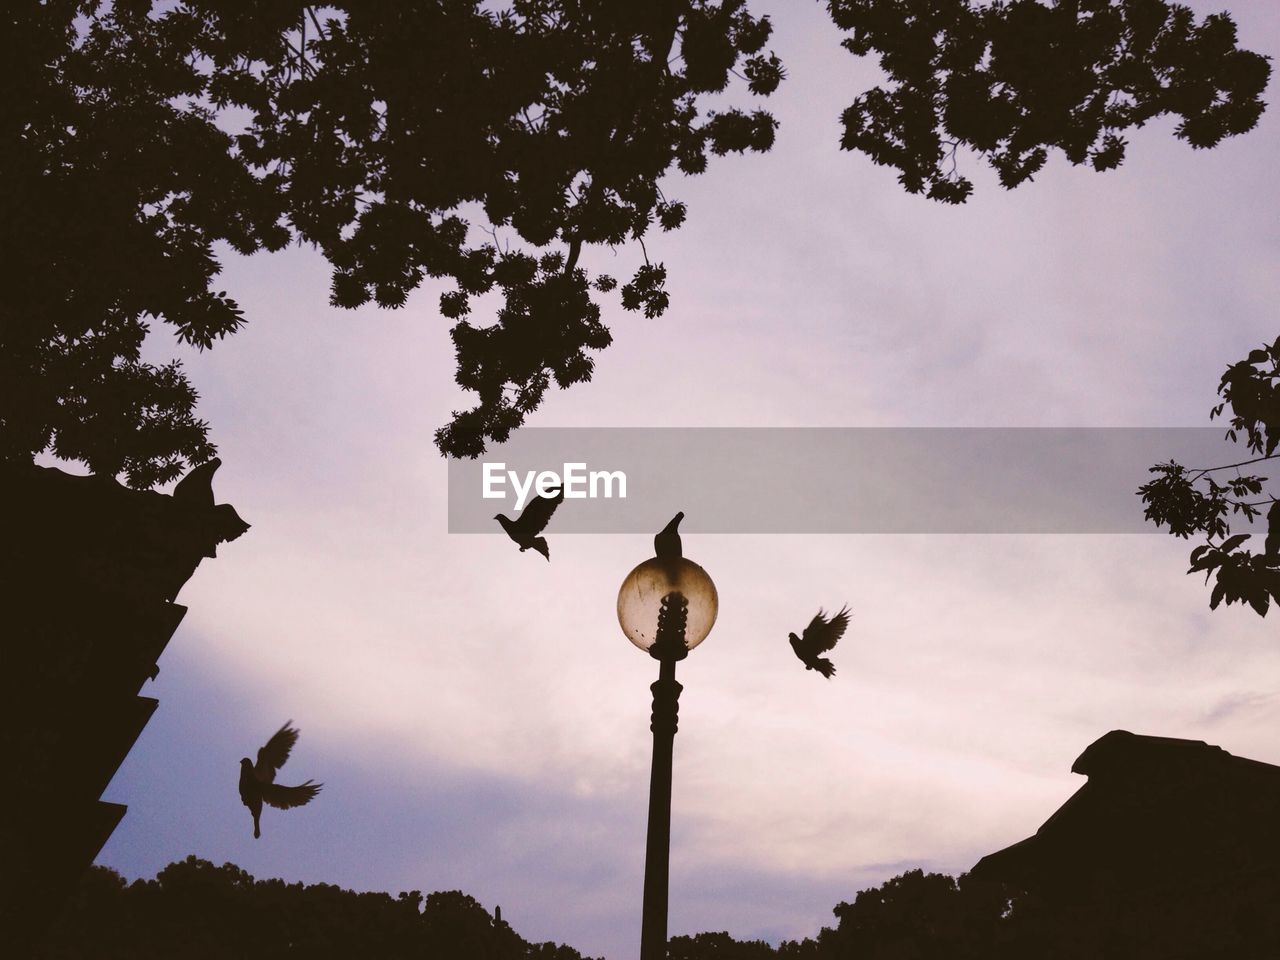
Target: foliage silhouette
x,y
930,916
395,137
195,909
144,134
1015,80
718,946
1190,501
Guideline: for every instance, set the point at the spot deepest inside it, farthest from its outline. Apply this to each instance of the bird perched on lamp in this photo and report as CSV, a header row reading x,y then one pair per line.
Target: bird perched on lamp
x,y
820,636
257,780
666,544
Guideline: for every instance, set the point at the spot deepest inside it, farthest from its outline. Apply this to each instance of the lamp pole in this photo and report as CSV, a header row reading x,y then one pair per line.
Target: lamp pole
x,y
657,859
678,595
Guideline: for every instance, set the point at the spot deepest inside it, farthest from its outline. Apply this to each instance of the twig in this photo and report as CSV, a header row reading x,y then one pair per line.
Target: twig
x,y
1200,472
319,29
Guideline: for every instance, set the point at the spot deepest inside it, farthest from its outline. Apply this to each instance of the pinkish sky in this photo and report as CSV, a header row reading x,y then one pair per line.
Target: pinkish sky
x,y
479,720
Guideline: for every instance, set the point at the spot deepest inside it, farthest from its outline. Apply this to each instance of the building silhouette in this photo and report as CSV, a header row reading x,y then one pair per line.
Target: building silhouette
x,y
89,572
1171,849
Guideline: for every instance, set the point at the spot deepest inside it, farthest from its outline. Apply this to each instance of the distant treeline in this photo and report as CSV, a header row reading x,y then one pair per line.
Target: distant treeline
x,y
930,916
196,911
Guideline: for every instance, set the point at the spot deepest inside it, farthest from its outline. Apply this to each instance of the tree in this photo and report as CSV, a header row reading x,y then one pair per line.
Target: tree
x,y
932,916
1014,80
365,136
918,914
417,140
1191,502
195,909
718,946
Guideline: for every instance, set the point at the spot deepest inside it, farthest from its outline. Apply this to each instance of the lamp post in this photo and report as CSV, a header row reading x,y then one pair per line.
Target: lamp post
x,y
666,607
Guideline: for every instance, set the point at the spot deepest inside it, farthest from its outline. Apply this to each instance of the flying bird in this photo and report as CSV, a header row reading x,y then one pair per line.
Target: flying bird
x,y
820,636
532,521
667,542
258,781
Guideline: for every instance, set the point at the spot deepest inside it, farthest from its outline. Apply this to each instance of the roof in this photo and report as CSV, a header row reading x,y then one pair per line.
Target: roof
x,y
1156,811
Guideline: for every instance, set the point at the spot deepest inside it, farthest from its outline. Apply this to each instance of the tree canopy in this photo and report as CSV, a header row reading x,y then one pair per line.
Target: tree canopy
x,y
932,916
1014,80
195,909
481,147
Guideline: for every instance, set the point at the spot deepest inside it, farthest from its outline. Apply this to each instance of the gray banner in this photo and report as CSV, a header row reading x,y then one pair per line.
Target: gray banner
x,y
833,480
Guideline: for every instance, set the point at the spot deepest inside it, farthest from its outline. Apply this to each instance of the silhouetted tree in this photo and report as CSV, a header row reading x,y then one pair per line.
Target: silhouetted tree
x,y
193,909
718,946
1191,501
930,916
1015,80
140,135
418,139
917,914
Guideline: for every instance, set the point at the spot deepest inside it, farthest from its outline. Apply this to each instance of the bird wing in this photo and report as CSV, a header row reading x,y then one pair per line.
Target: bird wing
x,y
272,756
822,634
282,798
537,514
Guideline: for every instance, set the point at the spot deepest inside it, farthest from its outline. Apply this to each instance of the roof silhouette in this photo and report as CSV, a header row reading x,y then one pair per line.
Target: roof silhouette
x,y
88,581
1157,815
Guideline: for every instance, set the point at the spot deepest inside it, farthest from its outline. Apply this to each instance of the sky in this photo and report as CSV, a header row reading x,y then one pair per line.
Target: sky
x,y
476,715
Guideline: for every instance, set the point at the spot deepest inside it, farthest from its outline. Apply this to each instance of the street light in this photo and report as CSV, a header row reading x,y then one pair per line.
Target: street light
x,y
666,606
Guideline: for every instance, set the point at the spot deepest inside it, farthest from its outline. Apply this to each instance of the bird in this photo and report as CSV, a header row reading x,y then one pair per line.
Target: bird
x,y
257,781
666,544
820,636
532,521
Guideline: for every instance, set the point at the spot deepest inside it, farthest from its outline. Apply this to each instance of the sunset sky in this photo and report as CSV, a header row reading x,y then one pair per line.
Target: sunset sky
x,y
476,715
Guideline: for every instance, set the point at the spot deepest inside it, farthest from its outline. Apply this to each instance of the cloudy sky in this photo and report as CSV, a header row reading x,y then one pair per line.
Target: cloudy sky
x,y
479,720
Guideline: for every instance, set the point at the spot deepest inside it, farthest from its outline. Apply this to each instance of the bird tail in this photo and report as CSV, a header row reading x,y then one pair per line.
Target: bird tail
x,y
257,833
540,544
824,667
